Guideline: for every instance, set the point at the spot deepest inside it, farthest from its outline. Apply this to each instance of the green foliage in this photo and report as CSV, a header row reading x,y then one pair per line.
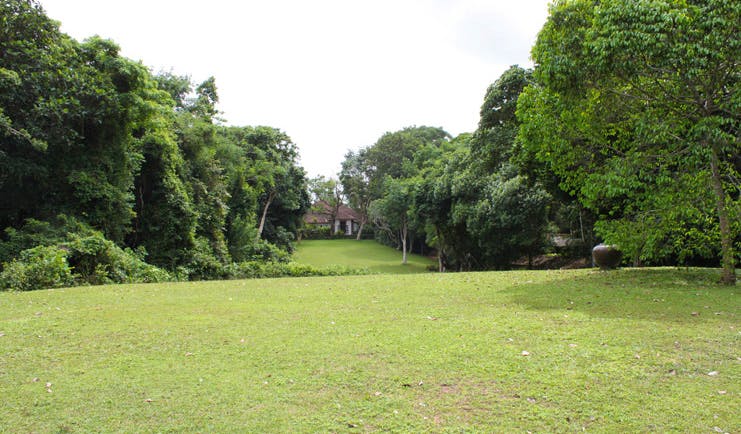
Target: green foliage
x,y
635,108
37,268
263,269
40,233
32,253
140,158
97,261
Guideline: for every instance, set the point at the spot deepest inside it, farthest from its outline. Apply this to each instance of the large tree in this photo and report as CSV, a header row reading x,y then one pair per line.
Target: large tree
x,y
637,109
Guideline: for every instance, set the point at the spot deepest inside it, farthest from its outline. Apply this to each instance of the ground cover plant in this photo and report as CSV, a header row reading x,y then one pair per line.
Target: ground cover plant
x,y
541,351
366,254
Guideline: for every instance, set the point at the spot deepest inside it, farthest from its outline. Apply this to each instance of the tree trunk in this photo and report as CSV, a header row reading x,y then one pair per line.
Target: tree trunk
x,y
360,230
404,243
271,196
440,253
728,276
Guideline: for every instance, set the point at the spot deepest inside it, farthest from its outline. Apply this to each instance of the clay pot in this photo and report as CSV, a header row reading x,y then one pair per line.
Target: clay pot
x,y
606,257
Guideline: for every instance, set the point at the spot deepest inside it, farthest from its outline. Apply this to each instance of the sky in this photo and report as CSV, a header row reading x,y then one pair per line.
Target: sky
x,y
334,75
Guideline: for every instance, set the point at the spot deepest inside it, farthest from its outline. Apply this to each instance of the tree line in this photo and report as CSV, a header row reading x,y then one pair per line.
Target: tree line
x,y
101,158
626,131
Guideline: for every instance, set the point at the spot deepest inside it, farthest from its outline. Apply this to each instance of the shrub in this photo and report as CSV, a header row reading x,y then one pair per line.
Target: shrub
x,y
202,263
257,269
39,233
97,260
36,268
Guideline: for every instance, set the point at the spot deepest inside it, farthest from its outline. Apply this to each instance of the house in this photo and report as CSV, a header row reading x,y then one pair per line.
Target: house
x,y
320,215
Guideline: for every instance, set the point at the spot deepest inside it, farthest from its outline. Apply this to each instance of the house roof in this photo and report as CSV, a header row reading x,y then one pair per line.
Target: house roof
x,y
321,213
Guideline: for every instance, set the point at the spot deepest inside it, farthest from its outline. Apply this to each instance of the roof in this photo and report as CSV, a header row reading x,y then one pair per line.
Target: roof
x,y
321,213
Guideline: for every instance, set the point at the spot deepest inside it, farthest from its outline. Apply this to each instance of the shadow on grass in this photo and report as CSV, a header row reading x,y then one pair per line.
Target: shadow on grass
x,y
672,295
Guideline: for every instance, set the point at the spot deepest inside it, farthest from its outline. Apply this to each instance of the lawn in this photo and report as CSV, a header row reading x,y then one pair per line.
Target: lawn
x,y
546,351
351,253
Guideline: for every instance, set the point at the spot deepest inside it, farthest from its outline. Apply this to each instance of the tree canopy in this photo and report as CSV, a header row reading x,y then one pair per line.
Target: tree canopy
x,y
636,108
139,157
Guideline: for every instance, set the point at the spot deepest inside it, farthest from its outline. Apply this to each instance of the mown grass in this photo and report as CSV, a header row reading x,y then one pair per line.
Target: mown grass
x,y
367,254
549,351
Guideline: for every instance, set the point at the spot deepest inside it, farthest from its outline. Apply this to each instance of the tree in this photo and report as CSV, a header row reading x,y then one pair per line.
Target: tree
x,y
393,153
492,144
328,191
392,211
261,164
637,110
359,184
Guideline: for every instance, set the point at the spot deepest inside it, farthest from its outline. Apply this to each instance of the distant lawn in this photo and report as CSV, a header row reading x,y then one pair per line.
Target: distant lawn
x,y
546,351
358,254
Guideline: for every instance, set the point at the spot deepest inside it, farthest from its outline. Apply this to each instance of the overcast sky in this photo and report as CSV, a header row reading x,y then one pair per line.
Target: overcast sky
x,y
333,74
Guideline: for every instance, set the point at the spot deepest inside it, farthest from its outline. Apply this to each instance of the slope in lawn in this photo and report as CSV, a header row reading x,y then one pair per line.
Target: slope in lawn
x,y
358,254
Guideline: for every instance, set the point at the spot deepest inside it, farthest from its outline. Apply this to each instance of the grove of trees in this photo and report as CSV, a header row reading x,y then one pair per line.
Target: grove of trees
x,y
625,131
104,163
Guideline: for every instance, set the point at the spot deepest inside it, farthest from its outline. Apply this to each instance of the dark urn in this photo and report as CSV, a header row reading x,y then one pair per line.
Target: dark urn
x,y
606,257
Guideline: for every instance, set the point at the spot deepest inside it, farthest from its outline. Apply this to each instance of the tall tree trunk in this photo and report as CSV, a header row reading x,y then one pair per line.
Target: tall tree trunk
x,y
271,196
403,237
728,276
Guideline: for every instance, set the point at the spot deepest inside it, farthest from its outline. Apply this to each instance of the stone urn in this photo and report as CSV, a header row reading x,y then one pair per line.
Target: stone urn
x,y
606,257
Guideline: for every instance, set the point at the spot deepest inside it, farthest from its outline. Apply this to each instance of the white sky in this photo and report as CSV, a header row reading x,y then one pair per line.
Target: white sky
x,y
333,74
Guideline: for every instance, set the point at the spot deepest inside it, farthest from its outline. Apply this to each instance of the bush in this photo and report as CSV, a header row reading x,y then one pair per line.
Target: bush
x,y
256,269
35,233
97,260
202,263
36,268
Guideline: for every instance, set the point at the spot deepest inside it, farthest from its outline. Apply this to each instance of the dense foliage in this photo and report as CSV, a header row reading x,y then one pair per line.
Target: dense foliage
x,y
636,108
626,131
110,173
467,197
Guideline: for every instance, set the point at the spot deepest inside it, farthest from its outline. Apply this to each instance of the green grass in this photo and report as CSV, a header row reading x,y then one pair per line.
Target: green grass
x,y
350,253
624,351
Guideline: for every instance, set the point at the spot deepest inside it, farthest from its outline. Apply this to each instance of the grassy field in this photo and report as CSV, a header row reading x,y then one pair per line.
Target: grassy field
x,y
555,351
369,254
